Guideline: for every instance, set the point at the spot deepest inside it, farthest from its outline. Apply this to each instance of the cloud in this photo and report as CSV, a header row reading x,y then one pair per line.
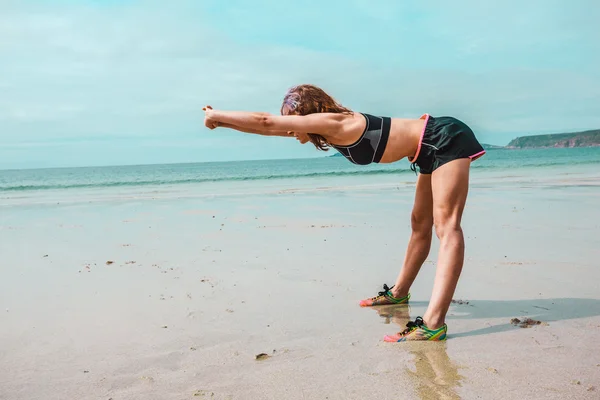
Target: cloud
x,y
119,73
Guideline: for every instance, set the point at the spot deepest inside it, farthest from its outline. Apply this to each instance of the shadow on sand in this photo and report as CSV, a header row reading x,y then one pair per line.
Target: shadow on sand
x,y
545,310
434,375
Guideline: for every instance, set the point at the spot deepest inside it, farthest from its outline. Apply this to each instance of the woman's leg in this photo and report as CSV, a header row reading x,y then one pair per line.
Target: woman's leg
x,y
420,239
449,185
418,246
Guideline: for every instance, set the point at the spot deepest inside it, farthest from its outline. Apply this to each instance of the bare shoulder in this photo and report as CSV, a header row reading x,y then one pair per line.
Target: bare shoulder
x,y
352,127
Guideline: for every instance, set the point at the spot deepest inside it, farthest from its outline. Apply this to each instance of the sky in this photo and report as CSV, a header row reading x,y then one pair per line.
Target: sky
x,y
109,82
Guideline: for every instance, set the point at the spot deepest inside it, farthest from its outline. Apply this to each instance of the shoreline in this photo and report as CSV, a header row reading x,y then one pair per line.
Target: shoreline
x,y
525,177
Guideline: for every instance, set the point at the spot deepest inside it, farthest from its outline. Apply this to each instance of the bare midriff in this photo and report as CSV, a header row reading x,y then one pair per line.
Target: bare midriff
x,y
404,139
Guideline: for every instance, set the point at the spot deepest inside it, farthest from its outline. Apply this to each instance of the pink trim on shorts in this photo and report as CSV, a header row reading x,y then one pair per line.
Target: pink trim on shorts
x,y
477,155
426,117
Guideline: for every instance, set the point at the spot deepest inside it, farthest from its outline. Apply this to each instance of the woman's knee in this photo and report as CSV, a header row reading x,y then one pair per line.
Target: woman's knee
x,y
421,223
446,226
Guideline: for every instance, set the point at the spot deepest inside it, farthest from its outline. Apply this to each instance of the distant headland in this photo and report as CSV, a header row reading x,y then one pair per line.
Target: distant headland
x,y
575,139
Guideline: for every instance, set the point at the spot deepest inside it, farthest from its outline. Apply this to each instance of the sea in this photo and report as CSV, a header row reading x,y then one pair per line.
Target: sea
x,y
496,167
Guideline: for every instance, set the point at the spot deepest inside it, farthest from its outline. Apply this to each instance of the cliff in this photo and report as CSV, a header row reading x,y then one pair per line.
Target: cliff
x,y
576,139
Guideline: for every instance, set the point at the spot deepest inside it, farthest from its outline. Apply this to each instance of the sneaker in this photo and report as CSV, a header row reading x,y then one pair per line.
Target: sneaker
x,y
416,330
384,298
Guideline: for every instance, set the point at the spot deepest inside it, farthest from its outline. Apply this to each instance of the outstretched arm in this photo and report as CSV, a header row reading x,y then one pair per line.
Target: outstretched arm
x,y
325,124
256,131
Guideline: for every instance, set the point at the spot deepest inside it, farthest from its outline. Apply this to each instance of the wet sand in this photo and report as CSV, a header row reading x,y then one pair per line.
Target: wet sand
x,y
199,286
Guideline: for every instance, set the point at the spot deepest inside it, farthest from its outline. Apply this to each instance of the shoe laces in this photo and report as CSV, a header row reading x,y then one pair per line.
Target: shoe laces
x,y
412,325
383,292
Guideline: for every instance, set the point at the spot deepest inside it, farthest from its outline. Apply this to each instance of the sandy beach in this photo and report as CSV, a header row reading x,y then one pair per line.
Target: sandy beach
x,y
173,296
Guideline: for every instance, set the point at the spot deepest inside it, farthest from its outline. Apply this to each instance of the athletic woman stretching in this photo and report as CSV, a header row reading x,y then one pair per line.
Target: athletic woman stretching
x,y
442,148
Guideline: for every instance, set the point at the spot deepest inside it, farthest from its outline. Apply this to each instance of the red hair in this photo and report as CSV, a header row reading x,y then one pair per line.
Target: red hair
x,y
310,99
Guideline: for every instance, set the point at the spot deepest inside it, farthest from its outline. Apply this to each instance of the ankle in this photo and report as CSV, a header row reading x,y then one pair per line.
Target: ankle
x,y
399,292
433,323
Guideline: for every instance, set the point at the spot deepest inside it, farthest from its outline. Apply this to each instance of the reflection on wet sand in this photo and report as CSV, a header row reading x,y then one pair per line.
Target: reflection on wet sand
x,y
434,375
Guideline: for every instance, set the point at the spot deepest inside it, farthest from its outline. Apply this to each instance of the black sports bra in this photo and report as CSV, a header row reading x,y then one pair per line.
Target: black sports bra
x,y
370,146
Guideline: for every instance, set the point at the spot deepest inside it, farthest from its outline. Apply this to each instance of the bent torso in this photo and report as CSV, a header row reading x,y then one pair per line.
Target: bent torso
x,y
403,139
405,135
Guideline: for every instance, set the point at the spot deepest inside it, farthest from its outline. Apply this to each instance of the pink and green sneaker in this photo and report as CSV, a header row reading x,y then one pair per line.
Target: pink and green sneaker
x,y
416,330
384,298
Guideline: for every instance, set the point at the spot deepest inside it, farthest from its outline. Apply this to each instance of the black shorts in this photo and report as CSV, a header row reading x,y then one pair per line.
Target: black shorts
x,y
444,139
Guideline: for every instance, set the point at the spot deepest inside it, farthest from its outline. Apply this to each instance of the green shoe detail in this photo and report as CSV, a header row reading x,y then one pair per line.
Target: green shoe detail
x,y
384,297
418,331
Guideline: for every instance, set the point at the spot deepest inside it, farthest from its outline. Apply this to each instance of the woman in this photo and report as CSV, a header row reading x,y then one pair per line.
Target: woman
x,y
442,148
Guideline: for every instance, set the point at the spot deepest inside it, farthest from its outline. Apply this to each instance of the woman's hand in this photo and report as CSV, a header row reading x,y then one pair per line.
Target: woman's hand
x,y
209,122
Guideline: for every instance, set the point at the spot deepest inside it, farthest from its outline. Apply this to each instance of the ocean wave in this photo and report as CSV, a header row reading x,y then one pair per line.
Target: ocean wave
x,y
157,182
316,174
